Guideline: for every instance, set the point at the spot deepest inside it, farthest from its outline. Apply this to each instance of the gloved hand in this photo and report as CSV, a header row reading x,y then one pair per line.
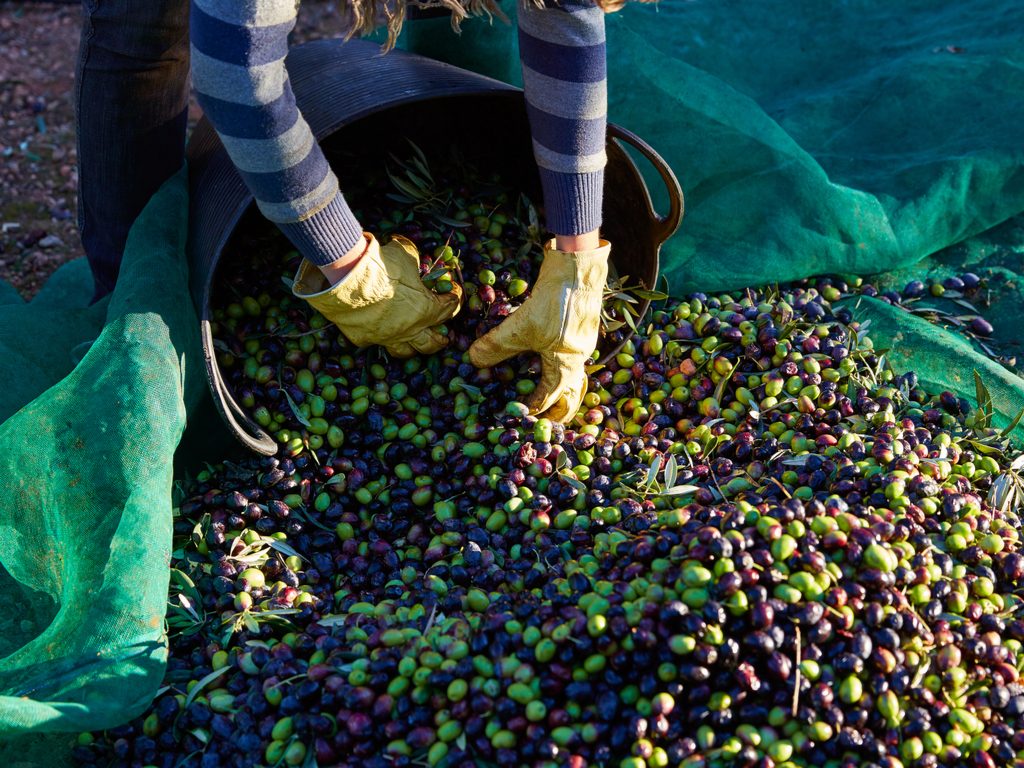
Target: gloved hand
x,y
560,321
382,300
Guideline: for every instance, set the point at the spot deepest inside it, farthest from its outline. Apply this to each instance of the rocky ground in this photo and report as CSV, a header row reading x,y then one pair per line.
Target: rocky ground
x,y
38,176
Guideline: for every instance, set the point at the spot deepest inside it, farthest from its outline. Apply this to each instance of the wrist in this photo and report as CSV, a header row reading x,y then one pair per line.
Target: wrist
x,y
587,241
339,269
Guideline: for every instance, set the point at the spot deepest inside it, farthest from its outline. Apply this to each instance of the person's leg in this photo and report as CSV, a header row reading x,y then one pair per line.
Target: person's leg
x,y
131,104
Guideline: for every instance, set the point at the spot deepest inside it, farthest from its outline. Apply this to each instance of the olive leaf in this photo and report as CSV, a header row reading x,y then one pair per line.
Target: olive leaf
x,y
985,449
686,453
986,348
984,400
726,378
580,487
643,293
186,603
1002,493
198,687
447,220
1013,424
295,409
434,275
407,188
671,471
280,546
613,325
310,761
663,281
532,217
652,471
629,321
251,625
880,365
433,617
180,623
301,513
681,490
797,461
469,389
562,461
184,582
418,181
966,305
199,529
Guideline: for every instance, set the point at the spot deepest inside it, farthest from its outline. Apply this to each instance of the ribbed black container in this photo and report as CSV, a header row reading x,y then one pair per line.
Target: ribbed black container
x,y
351,95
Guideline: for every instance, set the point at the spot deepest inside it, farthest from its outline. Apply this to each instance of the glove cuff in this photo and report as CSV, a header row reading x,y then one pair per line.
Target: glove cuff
x,y
367,283
590,267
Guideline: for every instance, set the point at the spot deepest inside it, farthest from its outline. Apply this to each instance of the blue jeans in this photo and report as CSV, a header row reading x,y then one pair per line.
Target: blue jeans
x,y
131,106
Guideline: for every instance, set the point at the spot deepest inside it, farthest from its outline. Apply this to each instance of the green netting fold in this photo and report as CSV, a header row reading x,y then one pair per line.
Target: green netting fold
x,y
85,481
942,360
815,138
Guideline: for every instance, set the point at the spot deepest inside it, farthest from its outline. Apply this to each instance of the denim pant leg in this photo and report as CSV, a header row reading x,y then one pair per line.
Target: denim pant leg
x,y
131,105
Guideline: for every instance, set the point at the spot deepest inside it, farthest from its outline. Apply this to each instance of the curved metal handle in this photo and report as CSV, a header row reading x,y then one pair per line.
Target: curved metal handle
x,y
665,226
248,432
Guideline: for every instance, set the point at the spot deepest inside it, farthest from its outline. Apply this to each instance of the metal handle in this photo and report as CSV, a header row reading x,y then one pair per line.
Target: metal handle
x,y
248,432
665,226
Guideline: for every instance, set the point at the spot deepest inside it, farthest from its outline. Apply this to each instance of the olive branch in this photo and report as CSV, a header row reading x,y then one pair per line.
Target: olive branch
x,y
620,302
657,479
185,613
1007,491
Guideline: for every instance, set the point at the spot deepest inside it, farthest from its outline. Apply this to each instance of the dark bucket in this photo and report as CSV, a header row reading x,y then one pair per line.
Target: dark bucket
x,y
351,93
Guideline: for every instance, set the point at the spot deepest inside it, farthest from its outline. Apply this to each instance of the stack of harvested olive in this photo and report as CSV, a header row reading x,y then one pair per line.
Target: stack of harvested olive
x,y
755,545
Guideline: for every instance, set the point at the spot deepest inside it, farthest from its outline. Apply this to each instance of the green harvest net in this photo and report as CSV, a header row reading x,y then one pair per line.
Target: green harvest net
x,y
85,483
861,137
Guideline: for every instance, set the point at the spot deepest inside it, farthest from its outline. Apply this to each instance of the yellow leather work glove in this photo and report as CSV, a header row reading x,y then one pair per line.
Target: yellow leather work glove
x,y
382,300
559,321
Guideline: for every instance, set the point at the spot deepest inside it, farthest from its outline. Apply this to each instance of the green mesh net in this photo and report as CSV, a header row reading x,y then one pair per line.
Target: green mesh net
x,y
819,137
85,484
864,137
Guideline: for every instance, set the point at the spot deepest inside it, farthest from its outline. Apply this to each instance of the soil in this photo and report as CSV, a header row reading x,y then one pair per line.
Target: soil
x,y
38,174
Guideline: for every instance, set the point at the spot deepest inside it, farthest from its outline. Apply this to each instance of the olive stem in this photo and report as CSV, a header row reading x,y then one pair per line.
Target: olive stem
x,y
796,667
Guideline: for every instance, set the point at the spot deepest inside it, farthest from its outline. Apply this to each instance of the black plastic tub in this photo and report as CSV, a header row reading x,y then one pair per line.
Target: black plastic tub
x,y
349,92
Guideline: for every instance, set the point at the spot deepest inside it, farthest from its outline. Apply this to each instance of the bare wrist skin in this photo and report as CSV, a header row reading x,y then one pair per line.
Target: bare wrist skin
x,y
588,241
337,270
